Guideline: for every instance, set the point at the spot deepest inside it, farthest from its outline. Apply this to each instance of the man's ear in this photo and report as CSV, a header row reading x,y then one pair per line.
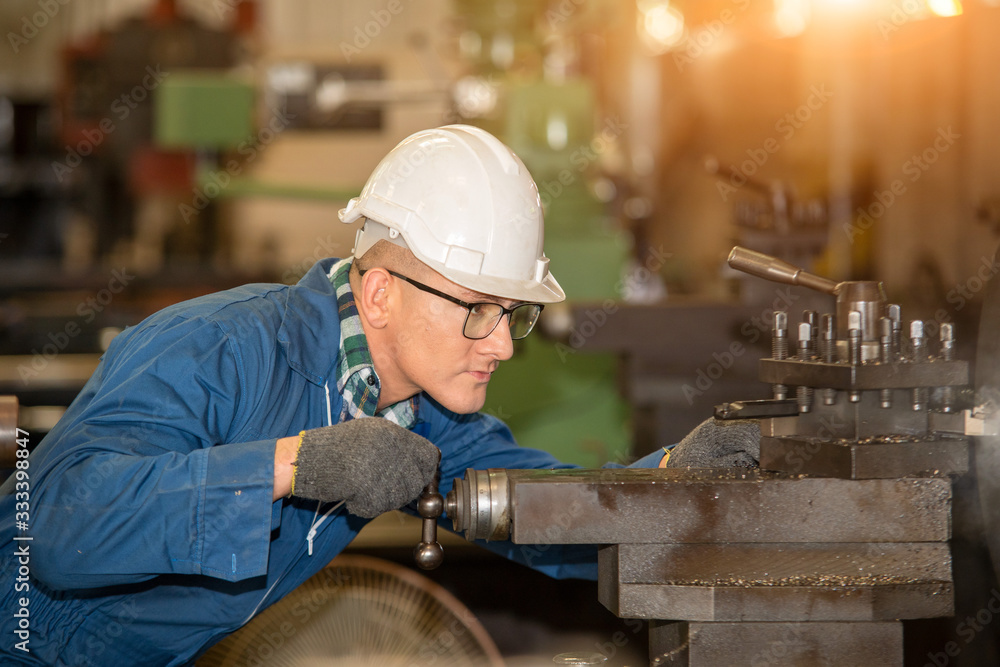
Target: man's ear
x,y
373,298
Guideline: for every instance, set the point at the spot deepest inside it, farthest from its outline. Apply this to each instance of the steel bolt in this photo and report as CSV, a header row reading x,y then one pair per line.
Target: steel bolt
x,y
804,395
779,348
947,354
854,348
886,357
918,343
827,353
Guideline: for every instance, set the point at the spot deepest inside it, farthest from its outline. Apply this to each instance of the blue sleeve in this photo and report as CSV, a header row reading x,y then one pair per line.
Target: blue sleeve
x,y
651,460
480,441
138,478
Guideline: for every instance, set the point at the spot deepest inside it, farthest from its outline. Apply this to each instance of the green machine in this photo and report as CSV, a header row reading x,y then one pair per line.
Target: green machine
x,y
204,109
554,396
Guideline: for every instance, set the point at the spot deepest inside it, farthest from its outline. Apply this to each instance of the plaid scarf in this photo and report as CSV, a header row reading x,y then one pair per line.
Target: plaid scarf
x,y
357,380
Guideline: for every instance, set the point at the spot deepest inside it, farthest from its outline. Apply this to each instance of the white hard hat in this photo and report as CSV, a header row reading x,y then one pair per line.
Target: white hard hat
x,y
466,206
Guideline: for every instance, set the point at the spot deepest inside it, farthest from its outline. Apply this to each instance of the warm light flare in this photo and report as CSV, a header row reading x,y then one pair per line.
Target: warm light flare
x,y
791,17
664,24
661,26
846,4
945,7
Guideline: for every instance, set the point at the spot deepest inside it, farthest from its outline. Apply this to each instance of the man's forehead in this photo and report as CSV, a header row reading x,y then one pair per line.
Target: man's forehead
x,y
472,295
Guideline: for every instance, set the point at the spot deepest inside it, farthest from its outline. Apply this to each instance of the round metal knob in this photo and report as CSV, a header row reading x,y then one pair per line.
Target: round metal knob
x,y
429,553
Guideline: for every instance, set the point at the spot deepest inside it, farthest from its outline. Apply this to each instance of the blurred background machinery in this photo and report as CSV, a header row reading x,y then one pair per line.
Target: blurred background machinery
x,y
155,150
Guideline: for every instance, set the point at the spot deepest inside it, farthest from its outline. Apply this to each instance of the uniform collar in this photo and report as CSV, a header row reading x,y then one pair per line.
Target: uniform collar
x,y
310,329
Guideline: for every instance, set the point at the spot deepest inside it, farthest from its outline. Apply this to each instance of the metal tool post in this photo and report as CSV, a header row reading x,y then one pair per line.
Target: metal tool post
x,y
876,418
842,533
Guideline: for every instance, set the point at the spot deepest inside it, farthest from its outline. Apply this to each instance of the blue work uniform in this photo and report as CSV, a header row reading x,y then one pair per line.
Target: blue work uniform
x,y
152,528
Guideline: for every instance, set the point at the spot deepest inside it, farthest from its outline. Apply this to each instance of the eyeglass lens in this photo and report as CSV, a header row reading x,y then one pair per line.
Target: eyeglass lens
x,y
484,317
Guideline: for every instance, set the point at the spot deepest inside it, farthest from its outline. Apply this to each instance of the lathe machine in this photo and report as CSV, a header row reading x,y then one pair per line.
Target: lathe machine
x,y
816,557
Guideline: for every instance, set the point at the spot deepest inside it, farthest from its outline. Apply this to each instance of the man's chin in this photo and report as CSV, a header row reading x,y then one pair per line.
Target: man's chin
x,y
463,404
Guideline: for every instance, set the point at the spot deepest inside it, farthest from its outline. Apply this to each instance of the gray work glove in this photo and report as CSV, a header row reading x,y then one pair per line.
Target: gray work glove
x,y
719,443
370,463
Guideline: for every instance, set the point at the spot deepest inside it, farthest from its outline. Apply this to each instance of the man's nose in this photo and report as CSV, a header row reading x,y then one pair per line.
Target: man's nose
x,y
499,343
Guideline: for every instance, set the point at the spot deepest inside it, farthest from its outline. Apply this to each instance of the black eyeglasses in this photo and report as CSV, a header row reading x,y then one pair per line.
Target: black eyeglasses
x,y
483,317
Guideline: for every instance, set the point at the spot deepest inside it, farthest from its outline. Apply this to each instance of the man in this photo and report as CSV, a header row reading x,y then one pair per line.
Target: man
x,y
227,448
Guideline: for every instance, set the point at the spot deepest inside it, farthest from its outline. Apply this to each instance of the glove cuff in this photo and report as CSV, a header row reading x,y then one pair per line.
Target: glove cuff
x,y
319,471
295,462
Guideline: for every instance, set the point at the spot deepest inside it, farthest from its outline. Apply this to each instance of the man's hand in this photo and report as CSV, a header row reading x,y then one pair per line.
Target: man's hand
x,y
371,463
719,443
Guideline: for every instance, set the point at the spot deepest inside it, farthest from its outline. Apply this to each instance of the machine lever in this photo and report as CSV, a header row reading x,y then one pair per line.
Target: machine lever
x,y
429,553
771,268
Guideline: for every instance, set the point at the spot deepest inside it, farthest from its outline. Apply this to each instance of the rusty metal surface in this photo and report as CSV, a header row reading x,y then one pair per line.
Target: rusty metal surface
x,y
867,376
678,505
856,421
777,582
873,458
785,644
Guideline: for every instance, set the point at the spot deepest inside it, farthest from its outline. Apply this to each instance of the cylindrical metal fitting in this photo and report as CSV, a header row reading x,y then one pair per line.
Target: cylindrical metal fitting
x,y
947,354
854,347
828,352
804,395
918,344
479,505
779,348
805,338
810,317
886,357
867,299
895,315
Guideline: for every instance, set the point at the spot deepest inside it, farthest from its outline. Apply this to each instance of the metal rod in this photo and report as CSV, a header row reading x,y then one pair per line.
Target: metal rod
x,y
770,268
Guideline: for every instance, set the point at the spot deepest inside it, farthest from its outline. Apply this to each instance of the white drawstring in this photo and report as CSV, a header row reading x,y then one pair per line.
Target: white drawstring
x,y
329,412
317,523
